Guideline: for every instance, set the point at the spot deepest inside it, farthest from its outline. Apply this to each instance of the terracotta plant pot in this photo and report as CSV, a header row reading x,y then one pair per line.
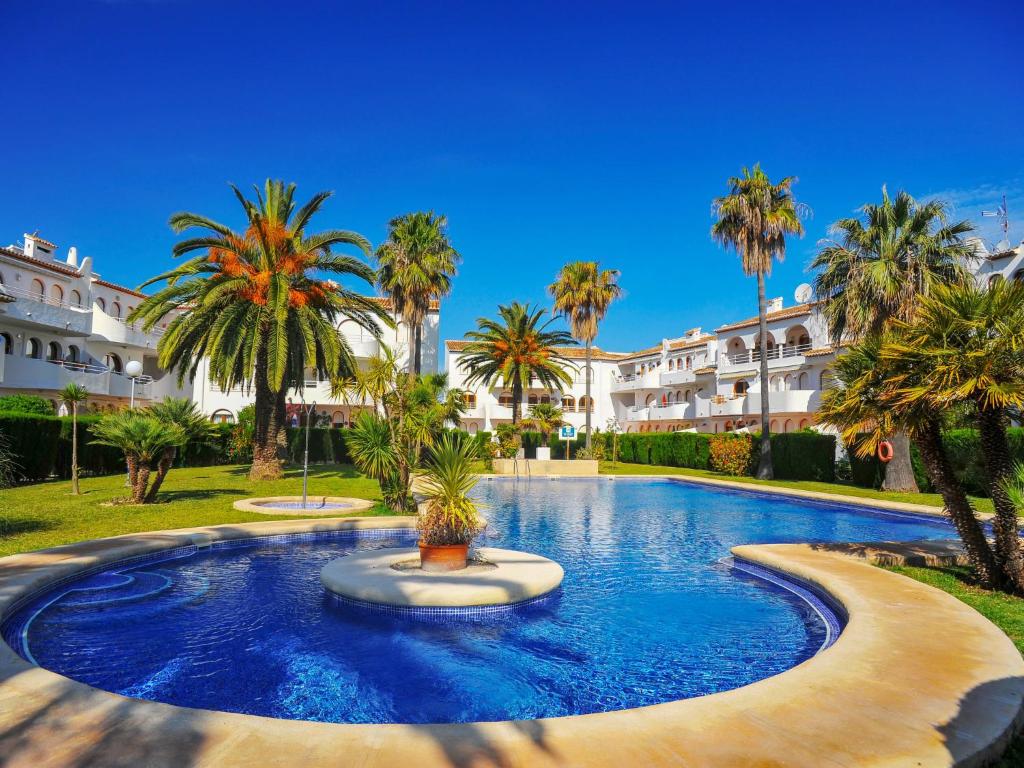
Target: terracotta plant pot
x,y
437,558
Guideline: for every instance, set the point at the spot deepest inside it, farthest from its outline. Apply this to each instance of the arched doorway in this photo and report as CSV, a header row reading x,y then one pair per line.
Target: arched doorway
x,y
113,362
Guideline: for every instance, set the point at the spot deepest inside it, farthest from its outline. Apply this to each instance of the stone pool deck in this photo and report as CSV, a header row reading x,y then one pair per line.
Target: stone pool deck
x,y
916,678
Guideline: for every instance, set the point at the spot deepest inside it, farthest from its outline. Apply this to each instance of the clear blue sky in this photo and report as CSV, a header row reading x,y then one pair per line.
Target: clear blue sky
x,y
546,132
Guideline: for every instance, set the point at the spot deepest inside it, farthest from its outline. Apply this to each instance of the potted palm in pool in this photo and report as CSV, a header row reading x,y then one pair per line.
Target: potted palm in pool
x,y
448,519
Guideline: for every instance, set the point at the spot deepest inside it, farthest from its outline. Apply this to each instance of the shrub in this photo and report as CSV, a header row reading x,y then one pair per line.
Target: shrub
x,y
93,458
8,466
731,454
805,455
33,440
26,404
508,441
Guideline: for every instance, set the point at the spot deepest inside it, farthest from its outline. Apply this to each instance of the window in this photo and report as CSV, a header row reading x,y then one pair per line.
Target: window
x,y
568,403
8,342
76,299
113,362
57,293
505,399
689,362
115,310
740,387
222,416
531,400
35,349
586,403
545,399
54,352
38,289
469,399
73,354
803,381
338,419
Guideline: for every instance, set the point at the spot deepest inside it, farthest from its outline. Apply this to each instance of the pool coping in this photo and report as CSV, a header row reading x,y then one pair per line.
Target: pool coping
x,y
254,504
916,677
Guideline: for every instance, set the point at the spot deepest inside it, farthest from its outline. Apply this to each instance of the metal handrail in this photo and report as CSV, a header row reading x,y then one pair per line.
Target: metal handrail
x,y
94,369
43,299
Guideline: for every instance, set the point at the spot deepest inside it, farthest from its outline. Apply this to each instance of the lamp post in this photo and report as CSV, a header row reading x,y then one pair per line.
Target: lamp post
x,y
133,369
309,411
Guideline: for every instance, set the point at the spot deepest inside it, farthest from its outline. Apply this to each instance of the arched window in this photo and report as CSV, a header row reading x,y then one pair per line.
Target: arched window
x,y
38,289
774,426
531,399
545,399
803,381
689,362
54,352
113,362
568,403
787,382
57,293
803,423
101,303
651,399
586,403
469,399
73,354
505,399
8,342
1018,276
338,419
76,298
222,416
740,387
115,310
35,349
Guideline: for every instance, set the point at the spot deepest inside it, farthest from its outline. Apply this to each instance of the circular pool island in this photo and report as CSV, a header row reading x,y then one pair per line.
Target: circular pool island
x,y
392,578
293,505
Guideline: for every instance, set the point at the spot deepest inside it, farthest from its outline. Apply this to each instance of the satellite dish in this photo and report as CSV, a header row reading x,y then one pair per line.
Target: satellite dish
x,y
803,293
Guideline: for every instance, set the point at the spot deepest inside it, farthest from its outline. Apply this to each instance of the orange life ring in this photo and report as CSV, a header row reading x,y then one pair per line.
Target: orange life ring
x,y
885,452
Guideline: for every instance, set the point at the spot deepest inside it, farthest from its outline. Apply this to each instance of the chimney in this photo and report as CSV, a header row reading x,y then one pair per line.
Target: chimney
x,y
38,248
73,257
774,305
693,333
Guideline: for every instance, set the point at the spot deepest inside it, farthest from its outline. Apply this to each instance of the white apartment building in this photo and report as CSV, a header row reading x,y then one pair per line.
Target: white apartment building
x,y
60,322
705,382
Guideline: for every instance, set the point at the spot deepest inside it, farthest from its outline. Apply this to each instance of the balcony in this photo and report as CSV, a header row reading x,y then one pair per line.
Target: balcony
x,y
499,412
778,357
637,413
671,378
631,382
666,411
789,401
30,373
723,406
56,316
117,331
363,347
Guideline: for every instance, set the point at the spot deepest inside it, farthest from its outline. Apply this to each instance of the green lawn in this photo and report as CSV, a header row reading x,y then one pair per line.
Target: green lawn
x,y
930,499
1005,611
46,514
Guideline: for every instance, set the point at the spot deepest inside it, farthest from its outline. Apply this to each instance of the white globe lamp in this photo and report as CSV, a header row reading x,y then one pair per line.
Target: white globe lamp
x,y
133,369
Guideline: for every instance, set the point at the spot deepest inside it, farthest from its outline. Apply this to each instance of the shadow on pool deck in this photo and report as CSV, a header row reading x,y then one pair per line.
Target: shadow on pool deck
x,y
929,552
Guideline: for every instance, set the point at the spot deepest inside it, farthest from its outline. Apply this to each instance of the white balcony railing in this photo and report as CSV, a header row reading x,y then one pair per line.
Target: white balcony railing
x,y
32,373
637,413
57,315
665,411
671,378
782,351
41,298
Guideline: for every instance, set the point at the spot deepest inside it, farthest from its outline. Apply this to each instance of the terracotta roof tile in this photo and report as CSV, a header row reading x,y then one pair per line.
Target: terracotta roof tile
x,y
701,341
121,288
50,265
705,369
41,240
385,301
782,314
820,351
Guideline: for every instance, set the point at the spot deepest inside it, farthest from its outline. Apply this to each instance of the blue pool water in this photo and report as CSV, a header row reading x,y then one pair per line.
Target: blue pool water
x,y
647,613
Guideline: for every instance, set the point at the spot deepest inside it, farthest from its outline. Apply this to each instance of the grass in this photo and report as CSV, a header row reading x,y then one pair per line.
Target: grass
x,y
1005,611
46,514
845,489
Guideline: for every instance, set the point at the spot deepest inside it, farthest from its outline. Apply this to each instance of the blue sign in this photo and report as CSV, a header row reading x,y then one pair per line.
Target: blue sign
x,y
568,433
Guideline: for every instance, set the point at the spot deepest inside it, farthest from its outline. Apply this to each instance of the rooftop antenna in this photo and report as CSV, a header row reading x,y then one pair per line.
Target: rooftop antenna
x,y
1004,224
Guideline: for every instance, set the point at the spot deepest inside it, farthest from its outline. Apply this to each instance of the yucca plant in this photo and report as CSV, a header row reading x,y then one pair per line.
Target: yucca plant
x,y
72,396
450,515
143,438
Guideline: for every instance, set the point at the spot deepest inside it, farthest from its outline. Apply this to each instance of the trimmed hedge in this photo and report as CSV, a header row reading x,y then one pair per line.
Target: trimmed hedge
x,y
93,458
326,445
806,455
26,404
34,441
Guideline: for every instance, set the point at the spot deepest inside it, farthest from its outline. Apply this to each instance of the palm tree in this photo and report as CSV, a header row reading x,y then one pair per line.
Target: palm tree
x,y
874,270
869,401
195,427
545,418
143,438
968,343
516,349
582,292
754,219
72,396
253,305
416,266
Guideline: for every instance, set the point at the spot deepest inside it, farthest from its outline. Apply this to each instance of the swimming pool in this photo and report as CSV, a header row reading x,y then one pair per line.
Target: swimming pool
x,y
647,613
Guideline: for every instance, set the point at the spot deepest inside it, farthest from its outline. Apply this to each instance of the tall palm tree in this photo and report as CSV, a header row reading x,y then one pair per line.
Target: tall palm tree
x,y
517,348
582,292
968,342
72,396
874,270
754,219
416,266
253,303
870,401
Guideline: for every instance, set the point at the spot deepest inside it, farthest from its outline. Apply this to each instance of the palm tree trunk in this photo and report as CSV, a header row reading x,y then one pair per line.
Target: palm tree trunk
x,y
587,389
765,471
899,473
141,480
265,462
162,468
999,470
411,367
958,506
132,463
517,400
74,450
419,346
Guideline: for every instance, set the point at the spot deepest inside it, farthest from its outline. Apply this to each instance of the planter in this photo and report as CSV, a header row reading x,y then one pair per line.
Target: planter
x,y
438,558
543,453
